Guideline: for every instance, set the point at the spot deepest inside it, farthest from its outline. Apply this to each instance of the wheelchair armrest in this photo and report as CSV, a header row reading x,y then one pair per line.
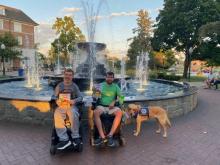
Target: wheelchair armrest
x,y
95,103
117,104
53,103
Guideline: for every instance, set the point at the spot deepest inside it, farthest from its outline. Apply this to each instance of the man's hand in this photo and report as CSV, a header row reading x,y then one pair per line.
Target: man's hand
x,y
58,102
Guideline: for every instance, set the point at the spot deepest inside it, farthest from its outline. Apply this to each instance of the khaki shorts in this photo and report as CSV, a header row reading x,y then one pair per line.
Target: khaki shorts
x,y
107,110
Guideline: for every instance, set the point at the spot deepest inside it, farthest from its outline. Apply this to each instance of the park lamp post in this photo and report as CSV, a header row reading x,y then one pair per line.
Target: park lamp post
x,y
190,53
3,59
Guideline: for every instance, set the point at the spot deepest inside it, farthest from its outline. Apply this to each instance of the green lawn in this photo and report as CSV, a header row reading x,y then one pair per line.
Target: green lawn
x,y
197,78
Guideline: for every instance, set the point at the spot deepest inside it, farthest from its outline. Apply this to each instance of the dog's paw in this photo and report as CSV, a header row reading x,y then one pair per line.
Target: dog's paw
x,y
165,135
136,134
158,131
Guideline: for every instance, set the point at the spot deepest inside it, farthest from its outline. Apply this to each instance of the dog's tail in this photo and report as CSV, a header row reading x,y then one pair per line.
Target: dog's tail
x,y
168,122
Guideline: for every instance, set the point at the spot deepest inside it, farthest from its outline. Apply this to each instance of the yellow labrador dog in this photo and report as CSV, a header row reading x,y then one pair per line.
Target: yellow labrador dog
x,y
154,112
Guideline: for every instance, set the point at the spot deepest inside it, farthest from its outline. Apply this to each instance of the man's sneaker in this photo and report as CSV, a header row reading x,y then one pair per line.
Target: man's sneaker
x,y
111,142
99,141
77,141
63,144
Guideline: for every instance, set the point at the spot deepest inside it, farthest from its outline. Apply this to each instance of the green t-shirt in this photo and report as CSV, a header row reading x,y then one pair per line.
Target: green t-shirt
x,y
109,93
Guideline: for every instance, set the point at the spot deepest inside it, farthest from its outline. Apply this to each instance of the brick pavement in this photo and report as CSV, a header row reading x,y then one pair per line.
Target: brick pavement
x,y
193,140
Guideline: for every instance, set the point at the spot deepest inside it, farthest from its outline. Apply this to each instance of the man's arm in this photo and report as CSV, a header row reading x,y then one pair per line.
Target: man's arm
x,y
79,97
56,91
56,95
118,94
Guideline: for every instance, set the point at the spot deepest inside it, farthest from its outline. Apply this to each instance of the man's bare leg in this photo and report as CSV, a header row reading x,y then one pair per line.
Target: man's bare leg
x,y
98,123
116,122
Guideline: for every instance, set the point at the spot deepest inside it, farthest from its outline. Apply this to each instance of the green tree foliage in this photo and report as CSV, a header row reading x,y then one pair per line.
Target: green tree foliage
x,y
179,22
161,60
113,63
69,34
10,51
52,56
141,41
209,47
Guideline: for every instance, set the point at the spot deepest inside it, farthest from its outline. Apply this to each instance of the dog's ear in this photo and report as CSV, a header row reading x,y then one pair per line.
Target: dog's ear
x,y
138,107
131,106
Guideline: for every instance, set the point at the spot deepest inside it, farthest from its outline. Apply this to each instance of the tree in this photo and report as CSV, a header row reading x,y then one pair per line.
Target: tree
x,y
113,63
42,58
52,56
209,47
161,59
10,51
178,24
141,42
69,35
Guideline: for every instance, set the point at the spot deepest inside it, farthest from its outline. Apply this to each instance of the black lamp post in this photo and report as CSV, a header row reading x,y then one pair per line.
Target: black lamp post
x,y
190,53
3,59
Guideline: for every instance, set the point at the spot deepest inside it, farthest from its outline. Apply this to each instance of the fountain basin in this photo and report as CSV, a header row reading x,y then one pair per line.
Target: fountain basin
x,y
39,109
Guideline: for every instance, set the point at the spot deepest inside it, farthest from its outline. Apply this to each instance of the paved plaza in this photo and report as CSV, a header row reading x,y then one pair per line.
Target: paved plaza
x,y
192,140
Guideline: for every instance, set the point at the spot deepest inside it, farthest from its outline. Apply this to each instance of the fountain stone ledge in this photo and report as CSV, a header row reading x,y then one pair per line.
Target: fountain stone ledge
x,y
40,110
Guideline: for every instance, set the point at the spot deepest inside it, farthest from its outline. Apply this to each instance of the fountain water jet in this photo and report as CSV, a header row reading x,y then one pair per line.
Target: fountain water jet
x,y
91,17
123,82
33,78
142,69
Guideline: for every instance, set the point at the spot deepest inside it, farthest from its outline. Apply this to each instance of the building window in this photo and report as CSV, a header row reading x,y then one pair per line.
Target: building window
x,y
2,11
1,24
17,27
19,38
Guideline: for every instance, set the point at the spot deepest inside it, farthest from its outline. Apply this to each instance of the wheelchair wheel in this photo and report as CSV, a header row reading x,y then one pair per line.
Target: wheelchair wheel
x,y
53,149
79,148
122,141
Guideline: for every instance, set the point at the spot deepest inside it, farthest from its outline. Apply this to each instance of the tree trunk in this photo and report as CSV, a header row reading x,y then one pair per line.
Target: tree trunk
x,y
186,64
3,66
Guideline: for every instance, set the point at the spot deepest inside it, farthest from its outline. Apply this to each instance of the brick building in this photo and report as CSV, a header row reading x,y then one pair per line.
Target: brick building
x,y
22,27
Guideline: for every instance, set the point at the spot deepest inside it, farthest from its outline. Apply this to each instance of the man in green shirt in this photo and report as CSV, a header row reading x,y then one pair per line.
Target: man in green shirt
x,y
109,93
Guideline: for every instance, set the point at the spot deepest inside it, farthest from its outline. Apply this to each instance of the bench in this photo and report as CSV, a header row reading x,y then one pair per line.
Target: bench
x,y
216,84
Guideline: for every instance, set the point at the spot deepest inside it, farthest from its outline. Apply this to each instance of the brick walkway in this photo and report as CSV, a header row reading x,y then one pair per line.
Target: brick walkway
x,y
193,140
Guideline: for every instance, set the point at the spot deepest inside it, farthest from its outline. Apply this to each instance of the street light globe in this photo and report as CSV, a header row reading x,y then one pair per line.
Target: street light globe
x,y
2,46
190,50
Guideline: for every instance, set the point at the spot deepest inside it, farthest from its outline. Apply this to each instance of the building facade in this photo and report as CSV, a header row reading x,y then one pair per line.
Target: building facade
x,y
22,27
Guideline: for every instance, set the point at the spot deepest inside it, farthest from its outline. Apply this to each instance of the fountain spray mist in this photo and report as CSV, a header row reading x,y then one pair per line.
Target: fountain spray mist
x,y
91,14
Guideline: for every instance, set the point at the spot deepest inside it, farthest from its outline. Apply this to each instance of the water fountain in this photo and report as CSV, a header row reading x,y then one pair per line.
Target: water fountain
x,y
84,69
18,102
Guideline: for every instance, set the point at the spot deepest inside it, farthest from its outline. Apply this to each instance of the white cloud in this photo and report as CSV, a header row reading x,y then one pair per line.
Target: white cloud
x,y
124,14
44,34
70,9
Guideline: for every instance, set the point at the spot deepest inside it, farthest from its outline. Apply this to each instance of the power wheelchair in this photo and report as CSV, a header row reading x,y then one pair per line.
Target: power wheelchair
x,y
55,139
107,121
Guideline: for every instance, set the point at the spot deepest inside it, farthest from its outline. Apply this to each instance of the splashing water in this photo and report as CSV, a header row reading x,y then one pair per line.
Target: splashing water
x,y
142,69
123,82
33,77
91,14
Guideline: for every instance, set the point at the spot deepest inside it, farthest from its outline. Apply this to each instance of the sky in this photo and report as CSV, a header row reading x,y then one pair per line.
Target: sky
x,y
116,20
